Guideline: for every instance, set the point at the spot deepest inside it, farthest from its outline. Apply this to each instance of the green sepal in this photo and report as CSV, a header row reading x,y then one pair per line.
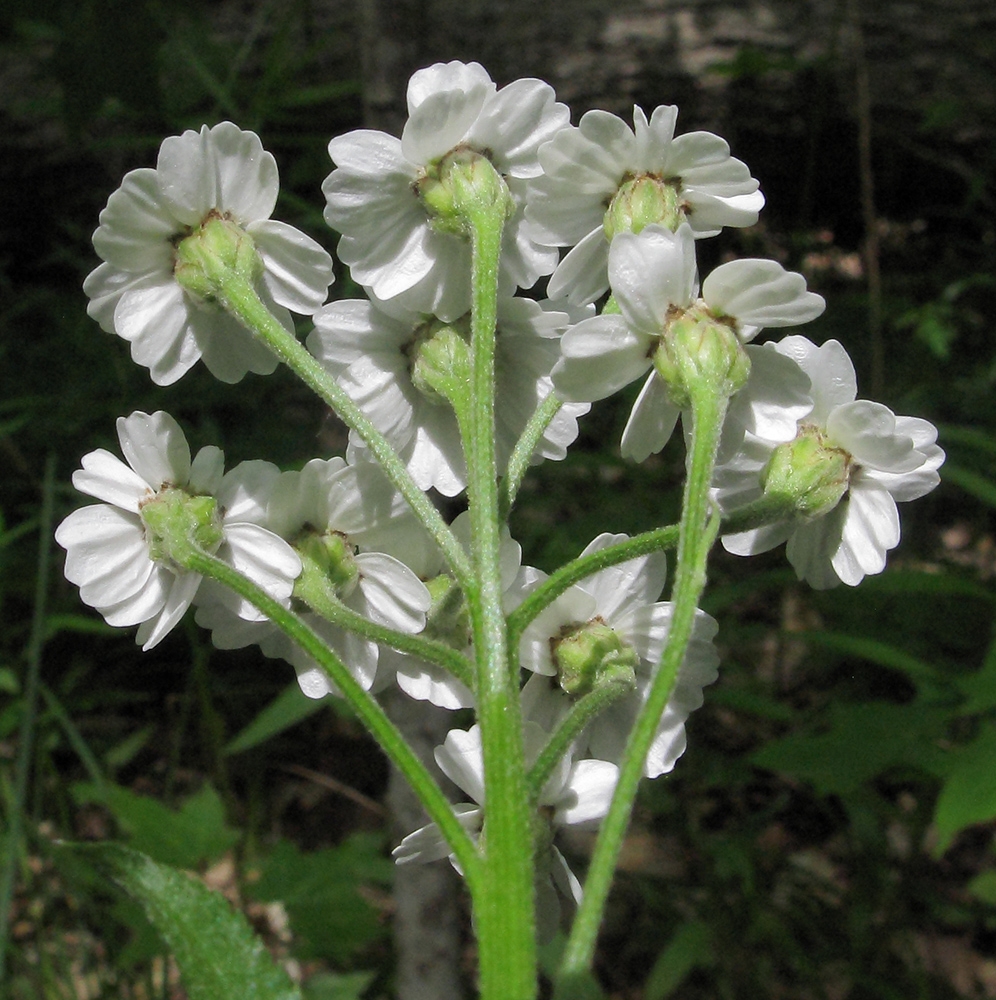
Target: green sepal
x,y
459,187
442,364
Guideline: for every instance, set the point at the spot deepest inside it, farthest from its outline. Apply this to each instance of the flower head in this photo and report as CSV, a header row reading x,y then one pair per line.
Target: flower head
x,y
850,462
645,175
622,600
389,238
112,550
218,182
655,285
371,348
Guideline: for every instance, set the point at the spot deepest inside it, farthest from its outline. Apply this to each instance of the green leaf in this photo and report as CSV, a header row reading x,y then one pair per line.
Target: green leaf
x,y
690,948
859,743
332,986
185,839
328,916
219,956
881,653
286,710
983,887
969,793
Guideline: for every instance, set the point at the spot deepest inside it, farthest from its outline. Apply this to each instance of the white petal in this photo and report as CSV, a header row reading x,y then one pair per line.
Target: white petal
x,y
516,121
263,557
454,75
181,594
650,272
136,226
441,120
651,421
868,431
426,682
761,293
297,270
107,478
653,138
871,529
393,595
461,759
812,548
588,793
221,168
144,604
245,491
829,369
107,556
600,356
757,540
207,470
582,276
776,397
155,448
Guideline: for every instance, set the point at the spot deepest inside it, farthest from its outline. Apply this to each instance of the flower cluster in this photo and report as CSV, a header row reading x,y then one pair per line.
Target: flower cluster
x,y
191,256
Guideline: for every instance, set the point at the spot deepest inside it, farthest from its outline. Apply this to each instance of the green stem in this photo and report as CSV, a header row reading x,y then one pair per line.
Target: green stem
x,y
504,907
241,300
319,594
658,540
524,450
581,713
698,532
363,703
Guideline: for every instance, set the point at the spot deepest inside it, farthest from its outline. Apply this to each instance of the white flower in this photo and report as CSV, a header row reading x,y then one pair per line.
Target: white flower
x,y
426,681
387,239
220,171
108,548
367,347
594,165
577,793
887,459
356,508
624,597
654,283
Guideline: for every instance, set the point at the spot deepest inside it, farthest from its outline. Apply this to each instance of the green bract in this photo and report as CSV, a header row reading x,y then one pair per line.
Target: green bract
x,y
592,654
209,254
809,473
178,523
642,201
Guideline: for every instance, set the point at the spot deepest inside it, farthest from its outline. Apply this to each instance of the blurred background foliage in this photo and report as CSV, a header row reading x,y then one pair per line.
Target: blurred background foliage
x,y
829,832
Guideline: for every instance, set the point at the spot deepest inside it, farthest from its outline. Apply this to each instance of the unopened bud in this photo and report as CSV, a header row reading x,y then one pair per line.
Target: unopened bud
x,y
591,655
643,201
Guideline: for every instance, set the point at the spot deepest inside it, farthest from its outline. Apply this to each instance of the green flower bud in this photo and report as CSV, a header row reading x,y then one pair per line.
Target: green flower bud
x,y
441,362
642,201
208,255
332,556
809,473
177,523
700,351
590,655
448,619
459,184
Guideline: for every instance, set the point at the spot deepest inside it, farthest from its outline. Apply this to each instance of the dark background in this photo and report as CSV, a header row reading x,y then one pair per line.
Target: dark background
x,y
829,832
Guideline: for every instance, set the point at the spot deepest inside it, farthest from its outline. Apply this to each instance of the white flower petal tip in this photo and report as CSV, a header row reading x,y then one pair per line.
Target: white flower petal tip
x,y
387,238
889,460
223,172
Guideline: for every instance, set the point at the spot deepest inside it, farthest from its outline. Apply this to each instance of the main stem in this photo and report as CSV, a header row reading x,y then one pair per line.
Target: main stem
x,y
503,904
697,533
